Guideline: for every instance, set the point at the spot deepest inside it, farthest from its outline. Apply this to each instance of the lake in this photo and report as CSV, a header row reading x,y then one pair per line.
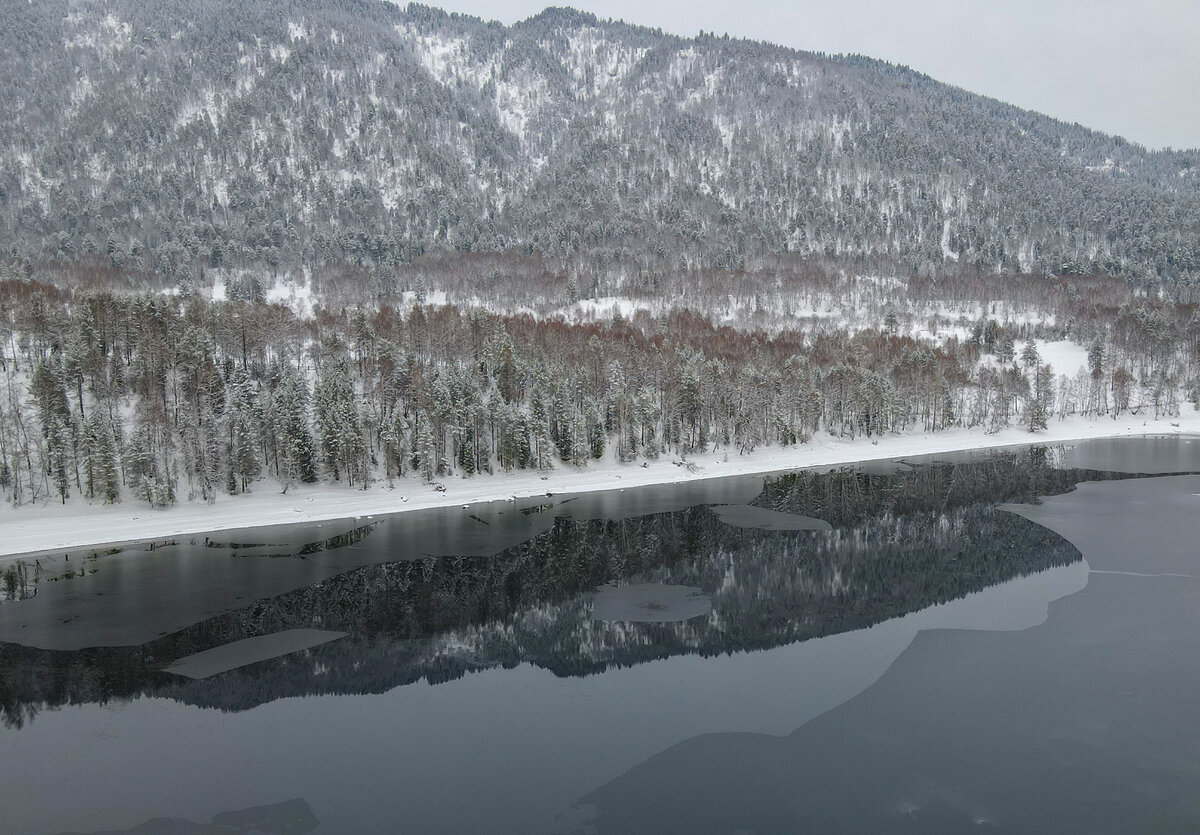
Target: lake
x,y
1001,640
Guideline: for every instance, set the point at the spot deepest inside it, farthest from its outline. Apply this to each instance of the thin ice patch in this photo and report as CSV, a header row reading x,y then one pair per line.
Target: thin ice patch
x,y
250,651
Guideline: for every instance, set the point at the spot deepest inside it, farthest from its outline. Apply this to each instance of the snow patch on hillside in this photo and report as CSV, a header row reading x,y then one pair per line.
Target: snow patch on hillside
x,y
111,35
1065,357
440,54
296,294
947,252
517,103
593,57
606,308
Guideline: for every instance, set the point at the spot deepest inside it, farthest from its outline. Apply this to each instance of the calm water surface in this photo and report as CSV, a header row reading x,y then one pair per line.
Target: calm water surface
x,y
934,645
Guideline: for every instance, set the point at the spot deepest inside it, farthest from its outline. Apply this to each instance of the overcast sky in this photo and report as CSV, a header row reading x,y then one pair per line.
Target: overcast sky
x,y
1130,67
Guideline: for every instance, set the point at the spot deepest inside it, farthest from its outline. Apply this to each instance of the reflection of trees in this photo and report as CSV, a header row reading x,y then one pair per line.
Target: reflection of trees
x,y
900,543
293,817
341,540
845,496
15,581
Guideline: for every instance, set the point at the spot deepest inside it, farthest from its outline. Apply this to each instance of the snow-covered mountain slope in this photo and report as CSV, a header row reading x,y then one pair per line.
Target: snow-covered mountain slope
x,y
186,134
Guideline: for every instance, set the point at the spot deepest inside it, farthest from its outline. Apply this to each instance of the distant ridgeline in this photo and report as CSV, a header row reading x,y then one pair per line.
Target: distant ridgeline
x,y
900,543
172,137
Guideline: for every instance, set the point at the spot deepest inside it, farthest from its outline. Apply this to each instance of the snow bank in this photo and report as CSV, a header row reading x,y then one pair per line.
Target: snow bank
x,y
53,527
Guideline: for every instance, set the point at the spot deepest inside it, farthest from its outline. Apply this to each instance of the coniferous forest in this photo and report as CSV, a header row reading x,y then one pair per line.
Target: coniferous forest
x,y
158,397
347,242
669,402
170,137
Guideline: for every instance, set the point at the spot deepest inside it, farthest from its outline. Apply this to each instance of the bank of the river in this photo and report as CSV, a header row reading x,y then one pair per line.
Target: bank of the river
x,y
52,527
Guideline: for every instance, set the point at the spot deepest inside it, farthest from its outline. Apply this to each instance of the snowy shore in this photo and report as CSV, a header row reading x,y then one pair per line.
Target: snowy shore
x,y
52,527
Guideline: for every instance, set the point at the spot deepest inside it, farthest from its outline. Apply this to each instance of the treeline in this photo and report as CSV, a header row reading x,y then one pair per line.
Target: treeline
x,y
168,397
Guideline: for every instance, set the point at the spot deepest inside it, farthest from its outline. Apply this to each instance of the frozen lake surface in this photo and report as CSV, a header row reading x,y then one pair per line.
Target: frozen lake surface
x,y
248,651
966,642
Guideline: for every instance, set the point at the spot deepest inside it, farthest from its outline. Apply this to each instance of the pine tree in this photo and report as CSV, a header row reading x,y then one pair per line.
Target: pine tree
x,y
1030,357
245,429
338,423
1042,395
58,435
99,461
210,463
394,439
58,456
289,415
139,461
596,435
425,453
542,445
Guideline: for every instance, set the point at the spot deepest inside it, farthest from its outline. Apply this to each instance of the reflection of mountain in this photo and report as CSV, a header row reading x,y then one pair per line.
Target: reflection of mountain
x,y
1084,724
846,496
292,817
900,543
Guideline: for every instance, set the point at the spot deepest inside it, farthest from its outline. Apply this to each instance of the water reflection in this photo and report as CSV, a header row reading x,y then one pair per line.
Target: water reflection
x,y
567,695
1147,456
897,543
1084,725
292,817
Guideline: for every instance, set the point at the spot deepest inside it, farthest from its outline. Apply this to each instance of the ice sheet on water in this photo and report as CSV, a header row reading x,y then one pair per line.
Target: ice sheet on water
x,y
748,516
650,603
882,468
250,651
1147,456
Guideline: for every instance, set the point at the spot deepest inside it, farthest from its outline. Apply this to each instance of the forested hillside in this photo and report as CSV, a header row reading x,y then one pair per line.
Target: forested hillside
x,y
175,137
161,398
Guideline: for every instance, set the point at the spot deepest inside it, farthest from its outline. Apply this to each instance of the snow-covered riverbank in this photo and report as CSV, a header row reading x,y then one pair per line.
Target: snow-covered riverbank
x,y
52,527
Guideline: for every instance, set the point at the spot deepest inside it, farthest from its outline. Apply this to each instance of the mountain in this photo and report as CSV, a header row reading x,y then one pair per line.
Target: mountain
x,y
185,134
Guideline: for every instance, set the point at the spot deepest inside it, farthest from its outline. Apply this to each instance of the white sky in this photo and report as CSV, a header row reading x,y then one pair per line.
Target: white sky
x,y
1130,67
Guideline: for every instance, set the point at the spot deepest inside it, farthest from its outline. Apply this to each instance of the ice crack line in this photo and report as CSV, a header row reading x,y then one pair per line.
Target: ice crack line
x,y
1142,574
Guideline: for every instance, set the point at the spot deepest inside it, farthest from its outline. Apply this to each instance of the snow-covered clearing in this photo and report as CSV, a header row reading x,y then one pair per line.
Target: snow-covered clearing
x,y
53,527
297,295
859,308
1064,356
